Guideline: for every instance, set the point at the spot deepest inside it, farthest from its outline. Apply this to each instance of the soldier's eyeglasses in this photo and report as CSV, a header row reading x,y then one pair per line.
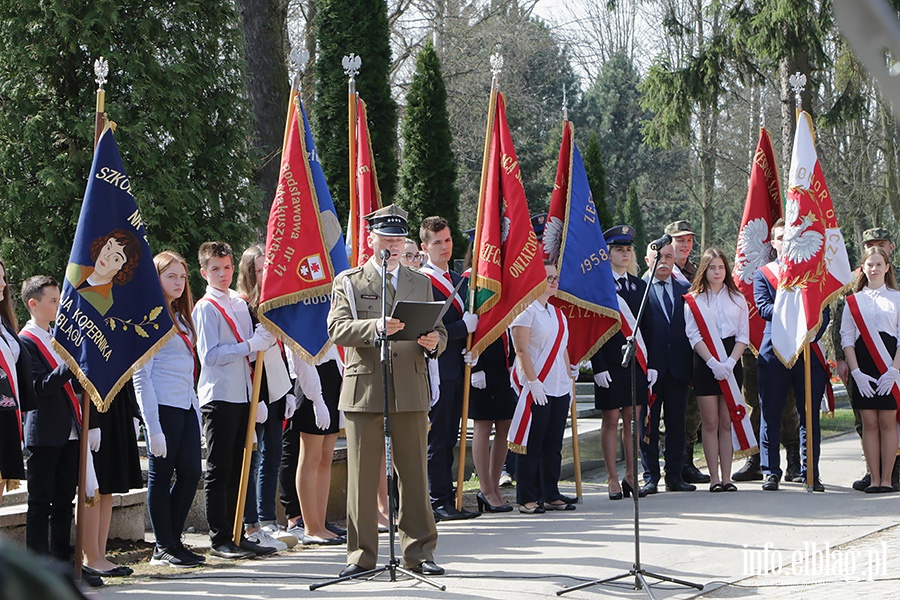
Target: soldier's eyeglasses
x,y
552,278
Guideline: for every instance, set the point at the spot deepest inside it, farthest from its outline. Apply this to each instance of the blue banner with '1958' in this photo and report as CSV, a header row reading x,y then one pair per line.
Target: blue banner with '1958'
x,y
112,314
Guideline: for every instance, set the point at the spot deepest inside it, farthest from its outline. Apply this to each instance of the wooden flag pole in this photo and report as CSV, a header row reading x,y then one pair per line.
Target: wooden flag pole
x,y
351,64
467,372
576,453
101,70
248,450
807,383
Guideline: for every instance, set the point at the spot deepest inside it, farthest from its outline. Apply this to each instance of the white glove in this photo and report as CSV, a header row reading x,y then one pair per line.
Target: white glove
x,y
652,376
864,383
262,412
261,341
479,380
137,427
157,444
323,417
538,392
471,321
341,421
887,381
603,379
94,439
719,370
574,370
730,363
290,406
467,358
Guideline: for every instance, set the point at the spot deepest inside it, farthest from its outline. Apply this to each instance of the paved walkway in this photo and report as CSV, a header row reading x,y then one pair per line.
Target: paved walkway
x,y
716,540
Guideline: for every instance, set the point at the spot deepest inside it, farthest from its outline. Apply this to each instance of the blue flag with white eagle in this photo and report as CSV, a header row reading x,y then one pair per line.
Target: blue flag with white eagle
x,y
112,315
573,240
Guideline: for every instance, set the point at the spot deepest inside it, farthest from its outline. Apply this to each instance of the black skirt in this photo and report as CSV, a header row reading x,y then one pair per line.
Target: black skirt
x,y
867,366
12,466
330,376
618,394
705,384
117,463
497,401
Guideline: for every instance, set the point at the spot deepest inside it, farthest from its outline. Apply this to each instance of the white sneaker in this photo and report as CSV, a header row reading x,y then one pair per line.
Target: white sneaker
x,y
296,531
281,535
505,479
262,538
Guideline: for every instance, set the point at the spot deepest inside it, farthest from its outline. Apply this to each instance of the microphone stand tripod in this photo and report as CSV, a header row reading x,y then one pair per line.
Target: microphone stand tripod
x,y
393,566
637,570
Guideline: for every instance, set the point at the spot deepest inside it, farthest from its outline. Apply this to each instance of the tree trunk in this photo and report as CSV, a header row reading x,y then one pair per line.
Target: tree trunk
x,y
264,24
889,131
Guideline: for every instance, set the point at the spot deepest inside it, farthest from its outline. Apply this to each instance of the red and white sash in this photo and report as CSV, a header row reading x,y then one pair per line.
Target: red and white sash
x,y
8,366
51,360
521,423
444,283
679,276
742,439
875,345
816,347
230,322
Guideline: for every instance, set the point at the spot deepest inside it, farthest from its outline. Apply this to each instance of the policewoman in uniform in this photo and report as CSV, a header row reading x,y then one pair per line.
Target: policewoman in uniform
x,y
354,322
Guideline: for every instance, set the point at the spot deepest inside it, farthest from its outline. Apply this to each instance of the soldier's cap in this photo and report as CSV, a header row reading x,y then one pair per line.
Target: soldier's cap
x,y
876,234
679,228
621,235
388,221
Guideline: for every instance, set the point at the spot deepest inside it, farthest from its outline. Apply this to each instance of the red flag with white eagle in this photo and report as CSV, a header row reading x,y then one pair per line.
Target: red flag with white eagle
x,y
815,266
509,272
761,210
368,196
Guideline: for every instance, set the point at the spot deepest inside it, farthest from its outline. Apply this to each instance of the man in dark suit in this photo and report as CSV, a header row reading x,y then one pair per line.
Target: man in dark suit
x,y
670,355
775,379
354,322
445,415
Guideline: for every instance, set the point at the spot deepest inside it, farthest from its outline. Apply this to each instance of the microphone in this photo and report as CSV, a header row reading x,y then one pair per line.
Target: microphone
x,y
386,254
661,243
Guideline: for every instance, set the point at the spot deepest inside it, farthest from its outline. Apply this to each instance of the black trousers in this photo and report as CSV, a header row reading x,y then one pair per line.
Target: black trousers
x,y
442,437
225,427
537,472
52,478
671,399
290,459
169,503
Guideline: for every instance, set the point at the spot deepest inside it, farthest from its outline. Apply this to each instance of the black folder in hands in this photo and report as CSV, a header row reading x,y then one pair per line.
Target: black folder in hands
x,y
420,318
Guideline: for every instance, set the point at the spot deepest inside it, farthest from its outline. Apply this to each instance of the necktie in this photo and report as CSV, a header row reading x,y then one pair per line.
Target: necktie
x,y
623,283
667,301
448,278
391,290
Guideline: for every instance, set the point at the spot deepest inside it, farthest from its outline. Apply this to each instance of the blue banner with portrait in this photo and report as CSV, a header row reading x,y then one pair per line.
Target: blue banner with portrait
x,y
112,315
301,324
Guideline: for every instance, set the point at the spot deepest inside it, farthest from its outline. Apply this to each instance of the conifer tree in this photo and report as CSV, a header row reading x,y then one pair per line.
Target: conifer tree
x,y
596,175
631,213
175,90
428,170
356,27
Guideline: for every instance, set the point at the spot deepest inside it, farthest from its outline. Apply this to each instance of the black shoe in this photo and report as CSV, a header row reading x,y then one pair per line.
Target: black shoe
x,y
255,548
428,567
200,558
351,570
568,499
873,489
771,484
817,485
792,471
649,488
173,557
335,529
679,485
449,513
485,506
616,495
692,474
750,471
895,476
90,579
230,551
627,490
117,571
864,482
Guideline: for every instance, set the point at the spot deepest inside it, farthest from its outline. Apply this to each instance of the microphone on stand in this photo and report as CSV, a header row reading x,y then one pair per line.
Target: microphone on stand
x,y
661,243
385,254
